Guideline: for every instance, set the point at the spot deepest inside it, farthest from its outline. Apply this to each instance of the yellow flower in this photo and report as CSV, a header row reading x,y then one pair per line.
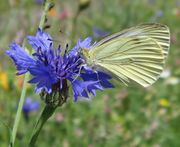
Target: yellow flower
x,y
4,80
19,82
52,12
164,102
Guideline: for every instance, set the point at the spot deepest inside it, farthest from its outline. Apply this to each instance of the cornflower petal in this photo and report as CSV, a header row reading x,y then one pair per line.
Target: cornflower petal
x,y
82,88
86,43
20,57
43,77
97,76
42,40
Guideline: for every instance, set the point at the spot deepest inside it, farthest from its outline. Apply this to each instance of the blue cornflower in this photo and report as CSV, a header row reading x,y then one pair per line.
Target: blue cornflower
x,y
39,2
53,71
30,105
98,32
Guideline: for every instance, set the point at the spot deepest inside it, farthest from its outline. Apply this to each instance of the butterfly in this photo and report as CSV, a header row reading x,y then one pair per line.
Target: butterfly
x,y
135,55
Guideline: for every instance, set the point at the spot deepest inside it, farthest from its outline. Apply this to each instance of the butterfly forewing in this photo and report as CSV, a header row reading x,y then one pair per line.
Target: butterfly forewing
x,y
158,32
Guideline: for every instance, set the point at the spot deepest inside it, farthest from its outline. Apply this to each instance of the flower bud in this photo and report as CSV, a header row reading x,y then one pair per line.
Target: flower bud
x,y
57,97
83,4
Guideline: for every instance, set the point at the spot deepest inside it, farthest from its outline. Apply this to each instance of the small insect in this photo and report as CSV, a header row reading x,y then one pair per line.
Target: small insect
x,y
136,54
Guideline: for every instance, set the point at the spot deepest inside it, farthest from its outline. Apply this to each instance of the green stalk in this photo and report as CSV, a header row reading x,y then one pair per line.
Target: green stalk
x,y
45,11
18,113
23,92
46,114
74,26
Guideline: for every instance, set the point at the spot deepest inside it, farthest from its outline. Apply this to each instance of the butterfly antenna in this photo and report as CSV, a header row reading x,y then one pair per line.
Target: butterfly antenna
x,y
97,75
78,73
54,40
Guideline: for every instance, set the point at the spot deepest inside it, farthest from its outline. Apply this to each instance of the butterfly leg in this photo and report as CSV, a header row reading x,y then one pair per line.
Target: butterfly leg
x,y
78,74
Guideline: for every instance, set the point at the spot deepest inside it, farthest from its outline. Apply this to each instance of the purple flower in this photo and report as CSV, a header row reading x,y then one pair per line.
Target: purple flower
x,y
39,2
42,40
98,32
51,70
158,14
30,105
86,43
21,58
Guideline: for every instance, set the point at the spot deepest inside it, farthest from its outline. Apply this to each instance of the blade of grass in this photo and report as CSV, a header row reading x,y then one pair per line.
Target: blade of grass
x,y
23,92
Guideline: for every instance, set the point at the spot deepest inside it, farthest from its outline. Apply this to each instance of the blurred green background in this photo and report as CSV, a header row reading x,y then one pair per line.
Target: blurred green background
x,y
124,116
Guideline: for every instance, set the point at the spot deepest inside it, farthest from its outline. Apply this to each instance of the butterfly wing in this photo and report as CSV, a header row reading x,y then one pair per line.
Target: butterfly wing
x,y
158,32
134,58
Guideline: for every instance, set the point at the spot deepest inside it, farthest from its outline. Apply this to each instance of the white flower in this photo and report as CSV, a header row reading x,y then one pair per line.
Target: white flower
x,y
165,74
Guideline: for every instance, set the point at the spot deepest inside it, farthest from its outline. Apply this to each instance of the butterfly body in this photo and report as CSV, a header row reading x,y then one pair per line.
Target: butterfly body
x,y
136,54
88,58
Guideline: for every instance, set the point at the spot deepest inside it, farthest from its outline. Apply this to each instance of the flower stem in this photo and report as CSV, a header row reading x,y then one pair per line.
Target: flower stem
x,y
23,92
46,114
74,26
44,14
